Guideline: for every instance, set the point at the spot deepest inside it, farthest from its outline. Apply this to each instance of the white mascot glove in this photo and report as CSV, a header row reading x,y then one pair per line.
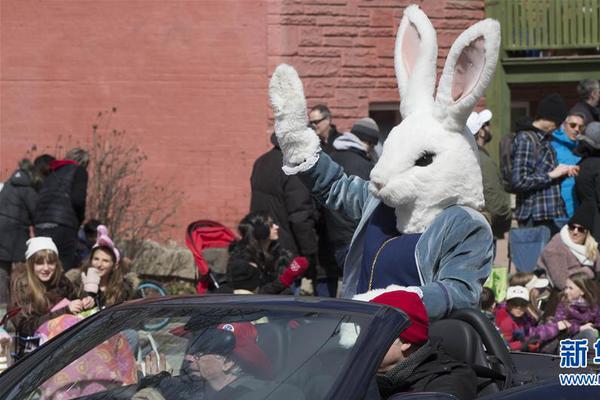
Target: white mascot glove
x,y
299,143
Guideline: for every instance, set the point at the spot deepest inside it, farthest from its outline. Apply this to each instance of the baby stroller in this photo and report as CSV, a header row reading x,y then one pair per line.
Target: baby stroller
x,y
22,345
209,242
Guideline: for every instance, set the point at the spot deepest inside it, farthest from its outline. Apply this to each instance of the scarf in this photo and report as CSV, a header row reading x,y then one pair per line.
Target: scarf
x,y
403,369
578,250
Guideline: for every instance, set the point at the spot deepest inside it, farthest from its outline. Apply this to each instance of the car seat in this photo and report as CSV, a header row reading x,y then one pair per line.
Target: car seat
x,y
468,336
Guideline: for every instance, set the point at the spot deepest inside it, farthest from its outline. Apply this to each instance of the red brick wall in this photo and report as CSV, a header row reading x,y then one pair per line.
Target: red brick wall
x,y
344,49
189,78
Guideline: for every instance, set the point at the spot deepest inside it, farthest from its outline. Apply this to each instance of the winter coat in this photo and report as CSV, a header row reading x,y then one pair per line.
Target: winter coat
x,y
523,333
338,229
497,201
589,113
560,263
579,313
287,200
17,204
246,272
587,186
129,288
62,196
438,372
27,321
563,145
327,146
453,255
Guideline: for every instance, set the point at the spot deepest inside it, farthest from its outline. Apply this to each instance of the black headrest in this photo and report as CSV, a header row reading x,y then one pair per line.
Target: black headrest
x,y
460,341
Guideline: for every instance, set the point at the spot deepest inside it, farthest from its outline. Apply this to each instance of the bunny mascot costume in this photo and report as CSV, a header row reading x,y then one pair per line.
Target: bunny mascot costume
x,y
419,225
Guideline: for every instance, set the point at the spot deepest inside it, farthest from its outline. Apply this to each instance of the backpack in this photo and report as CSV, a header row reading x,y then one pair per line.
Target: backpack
x,y
505,153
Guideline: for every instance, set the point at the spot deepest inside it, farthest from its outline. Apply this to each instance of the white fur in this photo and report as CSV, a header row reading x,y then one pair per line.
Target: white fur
x,y
299,143
453,113
416,89
417,193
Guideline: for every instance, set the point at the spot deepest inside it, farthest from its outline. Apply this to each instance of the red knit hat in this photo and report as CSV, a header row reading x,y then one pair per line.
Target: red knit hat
x,y
412,305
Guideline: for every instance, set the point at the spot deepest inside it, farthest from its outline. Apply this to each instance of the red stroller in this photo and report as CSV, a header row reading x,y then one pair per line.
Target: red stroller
x,y
209,242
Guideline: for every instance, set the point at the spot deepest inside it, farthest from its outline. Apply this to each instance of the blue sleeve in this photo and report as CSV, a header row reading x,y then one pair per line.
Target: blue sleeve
x,y
463,266
525,175
332,187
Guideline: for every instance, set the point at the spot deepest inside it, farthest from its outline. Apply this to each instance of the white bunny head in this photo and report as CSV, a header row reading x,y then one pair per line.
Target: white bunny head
x,y
429,161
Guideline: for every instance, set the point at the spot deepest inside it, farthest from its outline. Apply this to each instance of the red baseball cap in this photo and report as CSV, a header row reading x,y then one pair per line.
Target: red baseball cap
x,y
246,347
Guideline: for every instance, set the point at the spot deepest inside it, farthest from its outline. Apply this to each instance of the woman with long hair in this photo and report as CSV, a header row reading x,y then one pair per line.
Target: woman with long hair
x,y
572,250
42,287
102,275
257,263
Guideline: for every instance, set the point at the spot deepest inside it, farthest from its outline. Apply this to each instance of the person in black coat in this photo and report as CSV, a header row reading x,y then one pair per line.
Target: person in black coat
x,y
257,264
352,150
413,362
288,201
61,204
587,182
17,202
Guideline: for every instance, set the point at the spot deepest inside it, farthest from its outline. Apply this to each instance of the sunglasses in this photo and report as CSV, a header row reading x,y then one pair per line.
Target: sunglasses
x,y
578,228
573,125
316,122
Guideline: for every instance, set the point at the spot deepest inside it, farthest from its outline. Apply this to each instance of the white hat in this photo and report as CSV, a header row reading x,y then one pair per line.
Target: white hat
x,y
39,243
476,120
517,292
537,283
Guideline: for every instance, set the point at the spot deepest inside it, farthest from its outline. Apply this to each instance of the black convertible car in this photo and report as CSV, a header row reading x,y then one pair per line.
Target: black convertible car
x,y
132,350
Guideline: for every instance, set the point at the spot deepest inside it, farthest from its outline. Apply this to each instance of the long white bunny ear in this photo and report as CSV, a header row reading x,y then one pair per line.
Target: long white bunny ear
x,y
415,61
468,70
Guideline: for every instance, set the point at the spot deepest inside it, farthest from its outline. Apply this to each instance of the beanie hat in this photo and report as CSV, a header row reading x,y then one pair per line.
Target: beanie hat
x,y
366,129
477,120
104,240
36,244
553,108
584,215
591,135
413,307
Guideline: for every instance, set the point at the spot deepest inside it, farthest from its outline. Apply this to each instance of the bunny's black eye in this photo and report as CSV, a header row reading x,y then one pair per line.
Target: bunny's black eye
x,y
425,159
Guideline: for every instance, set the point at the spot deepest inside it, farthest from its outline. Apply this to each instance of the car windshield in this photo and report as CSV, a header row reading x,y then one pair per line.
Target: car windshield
x,y
200,352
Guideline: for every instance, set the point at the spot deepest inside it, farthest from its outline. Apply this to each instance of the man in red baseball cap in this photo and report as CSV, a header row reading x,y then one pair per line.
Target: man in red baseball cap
x,y
413,363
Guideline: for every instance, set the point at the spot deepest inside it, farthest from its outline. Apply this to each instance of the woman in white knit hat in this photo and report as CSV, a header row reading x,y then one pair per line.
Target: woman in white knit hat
x,y
38,291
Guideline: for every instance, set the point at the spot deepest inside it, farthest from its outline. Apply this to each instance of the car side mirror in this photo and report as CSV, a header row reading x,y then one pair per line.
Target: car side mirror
x,y
423,396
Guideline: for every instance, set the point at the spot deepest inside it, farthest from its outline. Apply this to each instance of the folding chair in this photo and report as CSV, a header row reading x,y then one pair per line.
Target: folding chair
x,y
525,246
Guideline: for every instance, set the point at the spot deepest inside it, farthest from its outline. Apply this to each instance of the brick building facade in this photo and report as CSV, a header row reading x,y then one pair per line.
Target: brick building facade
x,y
190,78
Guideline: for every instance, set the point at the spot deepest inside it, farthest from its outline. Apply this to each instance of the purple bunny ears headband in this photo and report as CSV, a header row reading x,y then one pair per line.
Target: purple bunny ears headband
x,y
103,239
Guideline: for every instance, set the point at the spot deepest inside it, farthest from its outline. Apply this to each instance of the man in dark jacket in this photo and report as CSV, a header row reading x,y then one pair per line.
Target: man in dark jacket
x,y
61,204
289,203
413,363
536,174
352,151
589,97
319,119
17,202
